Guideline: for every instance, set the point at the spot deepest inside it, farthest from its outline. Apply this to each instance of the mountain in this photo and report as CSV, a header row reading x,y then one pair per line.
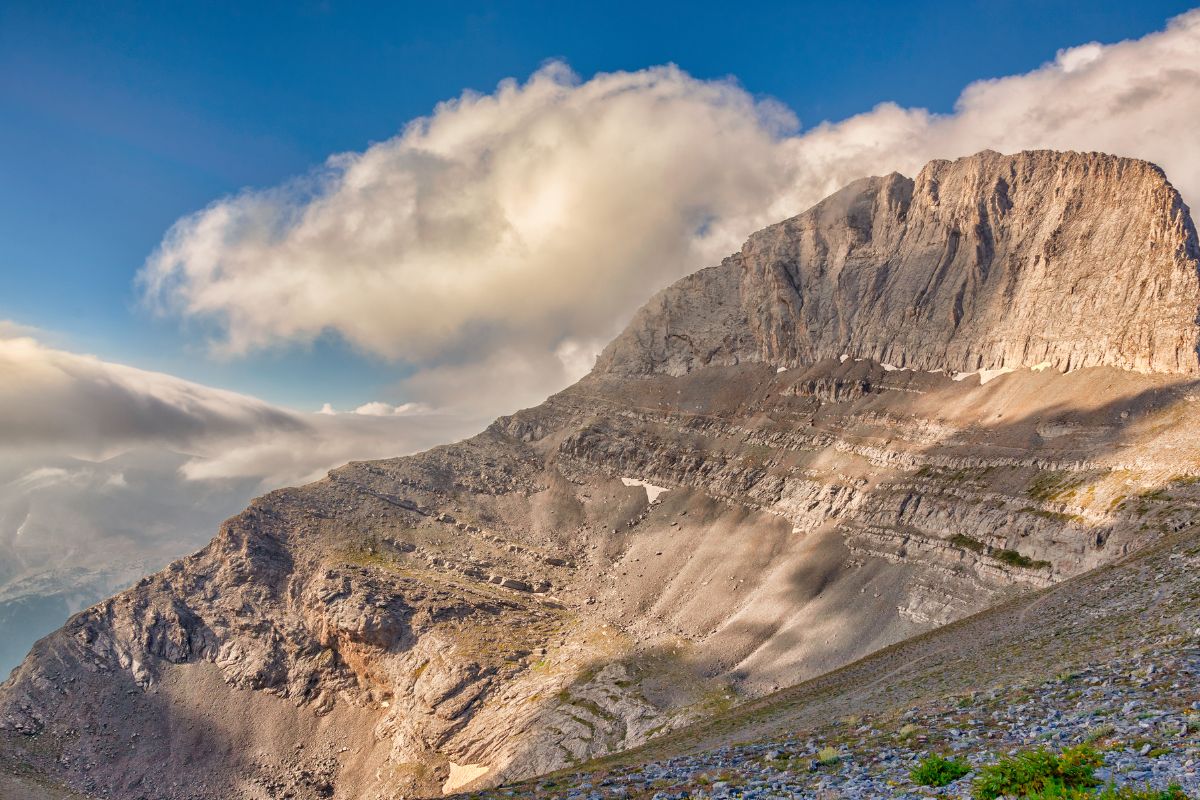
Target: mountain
x,y
1110,658
916,400
73,531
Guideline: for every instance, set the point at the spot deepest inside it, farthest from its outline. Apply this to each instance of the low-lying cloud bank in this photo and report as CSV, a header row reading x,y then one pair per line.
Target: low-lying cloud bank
x,y
56,404
515,232
108,472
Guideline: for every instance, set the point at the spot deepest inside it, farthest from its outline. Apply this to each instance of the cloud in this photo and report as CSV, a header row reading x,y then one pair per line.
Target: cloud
x,y
57,404
510,222
108,472
497,242
378,409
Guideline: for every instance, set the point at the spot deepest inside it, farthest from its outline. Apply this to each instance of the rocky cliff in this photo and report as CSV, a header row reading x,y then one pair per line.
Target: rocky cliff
x,y
777,469
1068,260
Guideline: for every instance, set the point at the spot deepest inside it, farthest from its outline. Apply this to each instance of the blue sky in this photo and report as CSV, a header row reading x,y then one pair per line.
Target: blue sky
x,y
118,119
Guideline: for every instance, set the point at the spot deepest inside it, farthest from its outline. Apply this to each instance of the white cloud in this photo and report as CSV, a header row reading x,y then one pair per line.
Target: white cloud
x,y
108,472
532,221
379,409
504,222
57,404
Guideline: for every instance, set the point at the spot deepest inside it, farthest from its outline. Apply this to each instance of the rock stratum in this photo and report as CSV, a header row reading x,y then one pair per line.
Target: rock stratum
x,y
910,403
1067,260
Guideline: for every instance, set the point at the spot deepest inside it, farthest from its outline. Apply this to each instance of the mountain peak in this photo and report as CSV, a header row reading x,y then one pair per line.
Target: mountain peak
x,y
990,261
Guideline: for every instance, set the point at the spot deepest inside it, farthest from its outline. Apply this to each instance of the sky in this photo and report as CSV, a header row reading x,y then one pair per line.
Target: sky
x,y
242,244
119,119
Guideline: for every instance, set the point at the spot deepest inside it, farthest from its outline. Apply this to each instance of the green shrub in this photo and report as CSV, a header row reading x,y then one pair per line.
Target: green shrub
x,y
1038,773
1110,793
937,771
828,756
1101,731
1015,559
967,542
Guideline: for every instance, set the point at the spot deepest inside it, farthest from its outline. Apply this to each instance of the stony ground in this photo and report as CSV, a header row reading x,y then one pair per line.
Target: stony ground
x,y
1111,659
1135,711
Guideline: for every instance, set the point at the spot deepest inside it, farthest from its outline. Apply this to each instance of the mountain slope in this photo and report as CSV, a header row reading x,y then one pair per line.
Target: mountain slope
x,y
730,503
1112,656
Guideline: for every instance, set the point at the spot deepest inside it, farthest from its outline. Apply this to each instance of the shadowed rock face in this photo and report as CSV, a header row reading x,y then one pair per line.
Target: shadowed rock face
x,y
1071,260
528,598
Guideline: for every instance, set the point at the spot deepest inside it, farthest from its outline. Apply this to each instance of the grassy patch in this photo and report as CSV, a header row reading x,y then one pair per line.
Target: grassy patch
x,y
1057,516
1009,557
1014,559
1047,487
967,543
1039,773
828,756
935,770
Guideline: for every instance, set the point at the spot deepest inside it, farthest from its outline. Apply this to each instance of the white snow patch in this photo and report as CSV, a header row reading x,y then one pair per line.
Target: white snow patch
x,y
462,774
1045,365
652,491
985,375
843,358
888,367
780,369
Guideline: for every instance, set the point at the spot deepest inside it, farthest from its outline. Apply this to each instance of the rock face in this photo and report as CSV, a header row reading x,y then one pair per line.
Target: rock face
x,y
1070,260
724,506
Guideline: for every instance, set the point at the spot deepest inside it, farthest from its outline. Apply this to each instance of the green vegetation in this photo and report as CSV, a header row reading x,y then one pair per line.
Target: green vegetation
x,y
1015,559
1101,731
967,543
1057,516
1010,557
1039,773
1051,486
828,756
1110,793
935,770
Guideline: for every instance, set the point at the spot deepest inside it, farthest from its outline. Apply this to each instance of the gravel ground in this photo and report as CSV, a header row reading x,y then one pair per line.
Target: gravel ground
x,y
1142,713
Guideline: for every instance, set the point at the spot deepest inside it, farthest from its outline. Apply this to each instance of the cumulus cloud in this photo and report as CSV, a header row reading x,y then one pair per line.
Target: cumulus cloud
x,y
498,242
58,404
511,222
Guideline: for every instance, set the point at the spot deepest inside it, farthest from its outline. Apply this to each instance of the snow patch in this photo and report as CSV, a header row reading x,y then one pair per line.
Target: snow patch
x,y
985,375
780,369
1045,365
652,491
462,774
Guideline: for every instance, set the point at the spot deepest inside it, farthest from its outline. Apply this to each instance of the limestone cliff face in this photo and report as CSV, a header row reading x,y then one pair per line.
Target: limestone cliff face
x,y
1068,259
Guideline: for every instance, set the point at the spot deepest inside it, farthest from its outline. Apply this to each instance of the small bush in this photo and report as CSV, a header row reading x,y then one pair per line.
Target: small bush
x,y
1101,731
967,542
1110,793
1039,773
828,756
937,771
1015,559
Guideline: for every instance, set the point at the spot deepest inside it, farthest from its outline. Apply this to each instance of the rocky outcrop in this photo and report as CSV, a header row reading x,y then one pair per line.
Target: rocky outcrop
x,y
725,506
1070,260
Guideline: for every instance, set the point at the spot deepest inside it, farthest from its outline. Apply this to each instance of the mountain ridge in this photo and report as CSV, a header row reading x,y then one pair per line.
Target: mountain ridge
x,y
518,602
953,270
